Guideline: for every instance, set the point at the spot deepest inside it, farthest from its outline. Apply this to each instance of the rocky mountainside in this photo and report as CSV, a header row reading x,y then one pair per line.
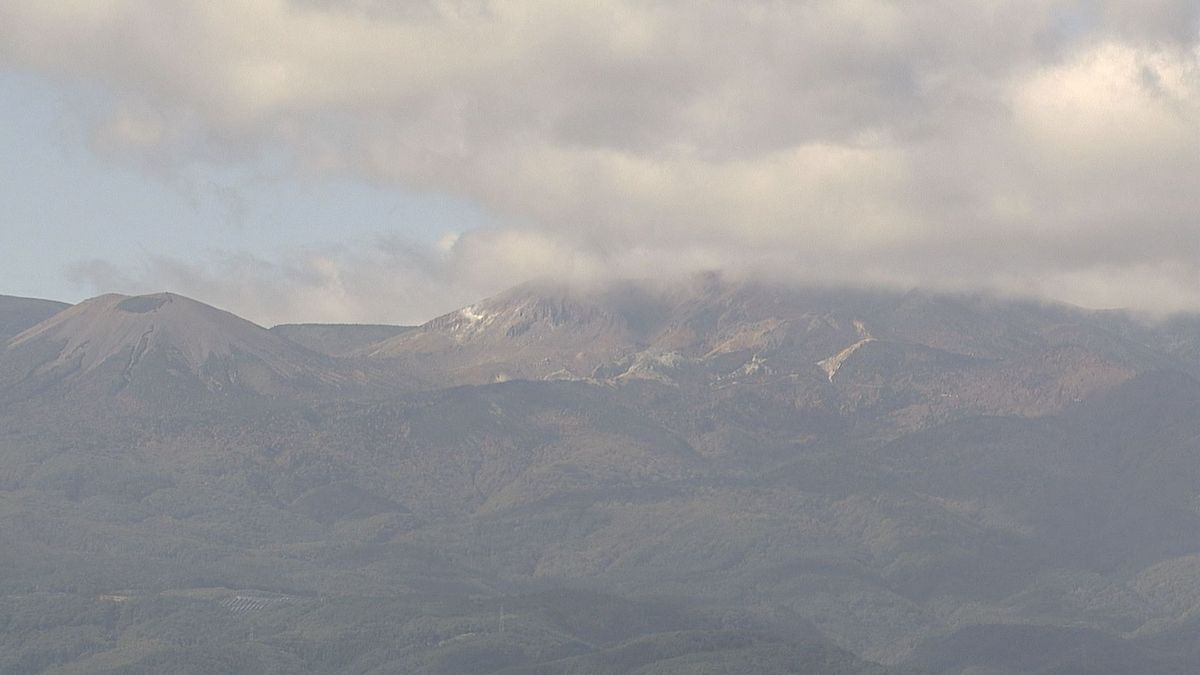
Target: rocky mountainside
x,y
530,332
627,478
913,356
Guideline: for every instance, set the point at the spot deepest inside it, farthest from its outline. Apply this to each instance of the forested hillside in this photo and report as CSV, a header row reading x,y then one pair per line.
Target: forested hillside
x,y
713,477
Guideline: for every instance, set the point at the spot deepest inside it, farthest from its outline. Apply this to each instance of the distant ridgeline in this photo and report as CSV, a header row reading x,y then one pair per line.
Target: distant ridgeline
x,y
705,477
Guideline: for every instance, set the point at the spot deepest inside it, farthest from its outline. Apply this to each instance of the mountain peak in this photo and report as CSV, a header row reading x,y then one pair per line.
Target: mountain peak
x,y
530,331
859,344
161,345
103,327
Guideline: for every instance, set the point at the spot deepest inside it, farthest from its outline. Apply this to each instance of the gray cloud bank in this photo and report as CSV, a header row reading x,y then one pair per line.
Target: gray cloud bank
x,y
1043,147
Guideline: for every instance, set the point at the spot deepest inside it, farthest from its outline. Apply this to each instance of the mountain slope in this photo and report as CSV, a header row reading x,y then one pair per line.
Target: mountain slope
x,y
528,332
337,339
915,478
906,355
156,350
18,314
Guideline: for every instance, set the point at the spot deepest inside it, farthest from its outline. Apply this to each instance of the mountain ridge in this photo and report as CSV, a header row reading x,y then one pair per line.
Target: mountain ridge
x,y
18,314
939,351
894,474
158,348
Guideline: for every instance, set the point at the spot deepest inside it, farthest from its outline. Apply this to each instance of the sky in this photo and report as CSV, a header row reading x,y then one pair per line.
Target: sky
x,y
367,160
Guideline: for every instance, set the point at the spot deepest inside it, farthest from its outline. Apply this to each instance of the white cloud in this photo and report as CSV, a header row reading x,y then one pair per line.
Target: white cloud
x,y
945,143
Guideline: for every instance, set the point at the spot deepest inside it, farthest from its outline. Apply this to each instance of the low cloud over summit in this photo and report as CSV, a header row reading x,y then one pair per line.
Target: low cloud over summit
x,y
1050,148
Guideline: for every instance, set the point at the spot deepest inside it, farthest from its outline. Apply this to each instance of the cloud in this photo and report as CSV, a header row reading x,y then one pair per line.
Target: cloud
x,y
1051,147
376,283
384,280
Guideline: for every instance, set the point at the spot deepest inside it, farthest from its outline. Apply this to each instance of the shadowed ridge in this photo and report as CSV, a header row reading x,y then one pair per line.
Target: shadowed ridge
x,y
18,314
338,339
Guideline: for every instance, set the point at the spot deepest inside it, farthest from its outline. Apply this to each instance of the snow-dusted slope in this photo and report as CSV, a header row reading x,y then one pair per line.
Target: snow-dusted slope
x,y
527,332
629,329
916,354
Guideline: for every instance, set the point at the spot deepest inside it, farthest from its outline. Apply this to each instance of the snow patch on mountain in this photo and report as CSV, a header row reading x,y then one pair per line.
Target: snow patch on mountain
x,y
834,363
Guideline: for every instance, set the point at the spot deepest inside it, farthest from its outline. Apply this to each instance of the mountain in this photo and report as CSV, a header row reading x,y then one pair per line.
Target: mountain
x,y
909,355
155,350
17,314
337,339
532,331
627,477
1178,335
